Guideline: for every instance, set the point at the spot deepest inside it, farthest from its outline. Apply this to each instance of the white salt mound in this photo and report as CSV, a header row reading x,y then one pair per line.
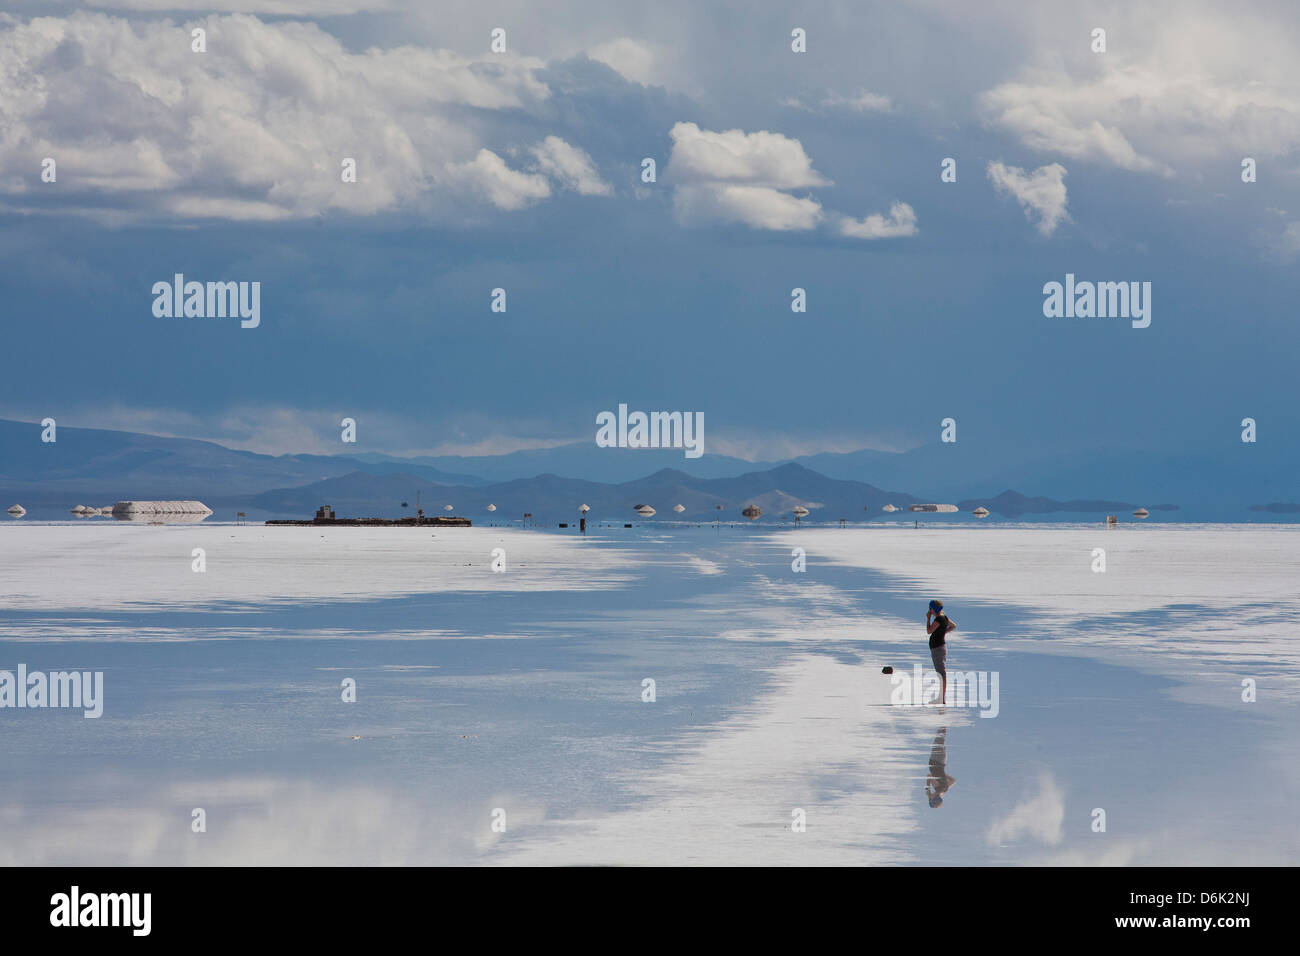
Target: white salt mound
x,y
161,508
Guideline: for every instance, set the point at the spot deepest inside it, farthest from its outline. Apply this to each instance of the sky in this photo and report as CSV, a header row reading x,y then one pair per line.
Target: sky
x,y
775,170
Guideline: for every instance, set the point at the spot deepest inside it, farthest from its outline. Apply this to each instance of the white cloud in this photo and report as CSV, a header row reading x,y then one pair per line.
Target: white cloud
x,y
760,207
265,820
1040,193
779,446
862,101
1038,816
506,188
216,207
496,444
901,222
288,8
1180,87
631,59
734,156
1065,117
734,176
859,102
257,127
279,429
571,166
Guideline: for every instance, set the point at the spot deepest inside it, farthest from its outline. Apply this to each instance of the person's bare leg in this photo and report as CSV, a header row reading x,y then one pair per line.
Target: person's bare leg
x,y
943,691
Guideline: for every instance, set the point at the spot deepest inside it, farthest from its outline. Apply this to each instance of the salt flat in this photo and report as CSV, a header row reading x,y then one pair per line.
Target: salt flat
x,y
523,692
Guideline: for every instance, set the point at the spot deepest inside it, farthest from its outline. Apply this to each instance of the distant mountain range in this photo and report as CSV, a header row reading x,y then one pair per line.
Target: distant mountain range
x,y
97,462
1220,480
97,466
777,491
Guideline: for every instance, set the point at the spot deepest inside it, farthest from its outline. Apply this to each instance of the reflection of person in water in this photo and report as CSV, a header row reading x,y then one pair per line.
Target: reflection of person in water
x,y
938,782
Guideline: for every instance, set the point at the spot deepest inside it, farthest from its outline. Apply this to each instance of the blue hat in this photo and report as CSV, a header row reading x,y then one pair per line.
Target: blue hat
x,y
936,605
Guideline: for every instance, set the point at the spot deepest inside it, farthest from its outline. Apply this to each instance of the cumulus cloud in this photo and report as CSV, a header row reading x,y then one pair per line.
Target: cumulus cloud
x,y
1040,193
257,127
760,207
1203,84
1039,816
506,188
734,176
570,166
631,59
1067,118
746,177
734,156
900,222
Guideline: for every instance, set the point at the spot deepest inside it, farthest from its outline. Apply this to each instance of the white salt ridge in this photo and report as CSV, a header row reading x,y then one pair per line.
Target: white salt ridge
x,y
102,567
160,508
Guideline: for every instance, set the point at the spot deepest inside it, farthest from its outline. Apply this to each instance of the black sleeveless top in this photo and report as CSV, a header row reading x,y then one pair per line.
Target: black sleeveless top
x,y
936,639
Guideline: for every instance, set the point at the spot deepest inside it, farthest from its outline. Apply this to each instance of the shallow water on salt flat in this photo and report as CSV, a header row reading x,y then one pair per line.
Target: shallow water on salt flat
x,y
522,691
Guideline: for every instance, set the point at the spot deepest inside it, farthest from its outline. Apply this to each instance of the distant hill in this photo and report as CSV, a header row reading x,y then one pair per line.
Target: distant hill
x,y
1216,484
99,464
1012,504
582,460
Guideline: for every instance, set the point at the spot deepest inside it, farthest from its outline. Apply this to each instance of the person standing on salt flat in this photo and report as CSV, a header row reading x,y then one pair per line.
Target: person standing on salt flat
x,y
937,625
